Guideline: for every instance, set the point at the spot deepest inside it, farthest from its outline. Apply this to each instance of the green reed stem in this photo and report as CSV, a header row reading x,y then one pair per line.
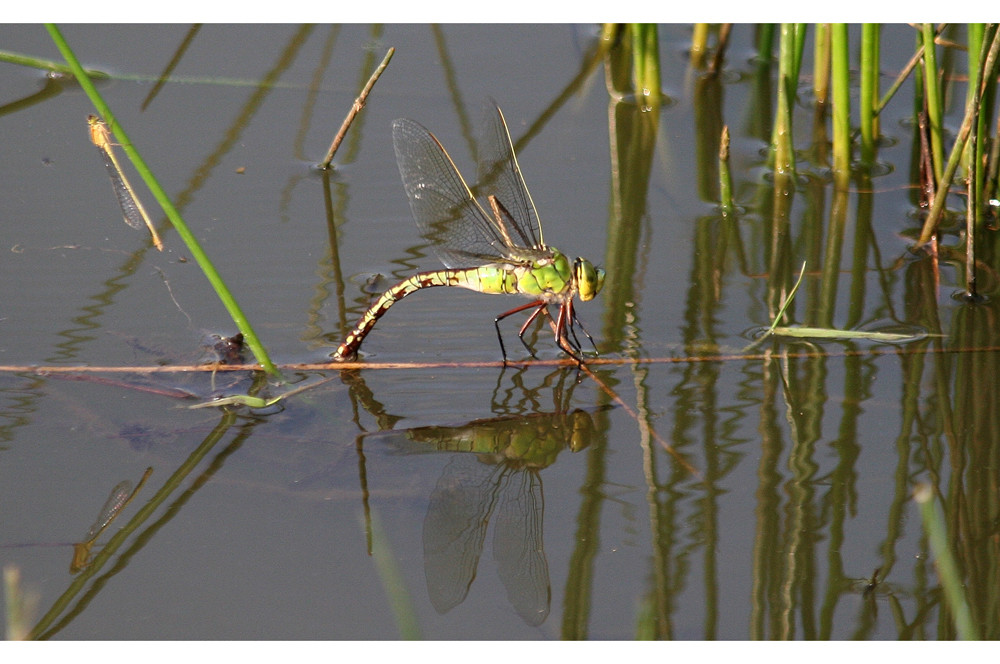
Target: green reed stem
x,y
781,136
935,108
699,43
944,562
821,64
725,176
765,41
168,207
992,160
937,207
974,53
646,62
869,91
840,54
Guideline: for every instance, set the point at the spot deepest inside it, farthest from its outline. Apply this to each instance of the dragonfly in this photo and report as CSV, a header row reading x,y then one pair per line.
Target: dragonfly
x,y
495,248
133,212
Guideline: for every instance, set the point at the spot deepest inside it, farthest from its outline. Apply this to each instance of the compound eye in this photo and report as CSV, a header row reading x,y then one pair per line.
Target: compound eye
x,y
589,280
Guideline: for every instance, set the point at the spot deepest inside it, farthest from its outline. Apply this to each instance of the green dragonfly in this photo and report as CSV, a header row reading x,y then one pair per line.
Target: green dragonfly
x,y
501,251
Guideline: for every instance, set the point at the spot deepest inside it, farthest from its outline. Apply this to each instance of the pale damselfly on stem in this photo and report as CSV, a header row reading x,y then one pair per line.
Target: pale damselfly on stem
x,y
132,211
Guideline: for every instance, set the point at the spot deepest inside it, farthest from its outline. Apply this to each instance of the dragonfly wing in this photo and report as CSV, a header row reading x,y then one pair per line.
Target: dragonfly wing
x,y
517,546
445,211
455,527
500,176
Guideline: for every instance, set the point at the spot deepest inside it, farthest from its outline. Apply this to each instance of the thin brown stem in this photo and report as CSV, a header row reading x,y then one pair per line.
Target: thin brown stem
x,y
356,107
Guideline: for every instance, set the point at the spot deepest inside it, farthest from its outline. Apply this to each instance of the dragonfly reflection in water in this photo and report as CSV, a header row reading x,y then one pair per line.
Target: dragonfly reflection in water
x,y
495,474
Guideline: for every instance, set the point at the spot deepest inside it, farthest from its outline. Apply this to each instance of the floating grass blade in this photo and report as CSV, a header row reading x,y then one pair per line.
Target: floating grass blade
x,y
833,334
827,333
40,63
166,204
251,401
788,299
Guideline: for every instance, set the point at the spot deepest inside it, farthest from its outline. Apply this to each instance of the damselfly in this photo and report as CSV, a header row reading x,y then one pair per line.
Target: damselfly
x,y
132,211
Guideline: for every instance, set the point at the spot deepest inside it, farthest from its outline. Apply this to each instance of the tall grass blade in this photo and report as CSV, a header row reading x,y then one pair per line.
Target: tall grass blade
x,y
725,176
840,54
699,44
821,64
782,138
869,91
935,104
646,64
937,207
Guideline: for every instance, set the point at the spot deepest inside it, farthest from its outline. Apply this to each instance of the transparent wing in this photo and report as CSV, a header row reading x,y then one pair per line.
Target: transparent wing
x,y
517,546
500,176
455,527
448,216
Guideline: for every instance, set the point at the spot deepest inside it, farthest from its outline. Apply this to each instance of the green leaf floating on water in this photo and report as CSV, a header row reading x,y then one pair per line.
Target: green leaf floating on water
x,y
834,334
256,402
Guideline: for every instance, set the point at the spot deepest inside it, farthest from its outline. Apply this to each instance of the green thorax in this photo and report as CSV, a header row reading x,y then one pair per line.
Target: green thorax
x,y
547,275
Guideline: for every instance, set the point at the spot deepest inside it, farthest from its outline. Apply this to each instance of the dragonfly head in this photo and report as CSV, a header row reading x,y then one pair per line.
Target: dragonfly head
x,y
589,279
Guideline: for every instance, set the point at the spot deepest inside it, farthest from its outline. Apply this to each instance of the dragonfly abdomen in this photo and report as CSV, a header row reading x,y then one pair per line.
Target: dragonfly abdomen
x,y
490,279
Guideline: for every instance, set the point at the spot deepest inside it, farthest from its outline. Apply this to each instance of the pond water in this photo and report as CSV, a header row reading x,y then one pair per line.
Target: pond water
x,y
682,490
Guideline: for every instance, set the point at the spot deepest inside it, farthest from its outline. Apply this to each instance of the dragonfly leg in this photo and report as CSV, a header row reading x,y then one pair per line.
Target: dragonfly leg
x,y
496,323
543,310
559,327
575,320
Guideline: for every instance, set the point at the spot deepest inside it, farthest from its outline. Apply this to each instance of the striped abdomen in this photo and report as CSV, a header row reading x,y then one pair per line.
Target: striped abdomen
x,y
482,279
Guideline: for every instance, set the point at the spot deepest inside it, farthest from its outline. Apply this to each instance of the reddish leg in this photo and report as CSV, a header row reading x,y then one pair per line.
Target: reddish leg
x,y
539,304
